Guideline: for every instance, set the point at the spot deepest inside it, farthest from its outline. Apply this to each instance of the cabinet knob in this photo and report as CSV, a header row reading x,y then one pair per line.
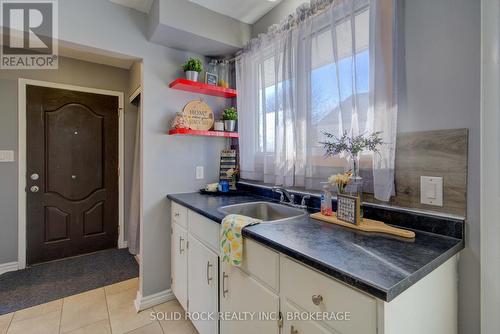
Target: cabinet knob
x,y
176,214
317,299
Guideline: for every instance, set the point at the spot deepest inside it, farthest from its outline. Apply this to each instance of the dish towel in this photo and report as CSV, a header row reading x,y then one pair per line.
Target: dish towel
x,y
231,239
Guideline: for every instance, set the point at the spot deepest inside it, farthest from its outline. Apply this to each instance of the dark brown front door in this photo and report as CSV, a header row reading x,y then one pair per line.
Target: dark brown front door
x,y
72,173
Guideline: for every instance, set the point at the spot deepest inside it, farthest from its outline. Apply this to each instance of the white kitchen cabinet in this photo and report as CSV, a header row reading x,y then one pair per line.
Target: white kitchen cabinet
x,y
203,266
179,261
320,293
269,283
241,292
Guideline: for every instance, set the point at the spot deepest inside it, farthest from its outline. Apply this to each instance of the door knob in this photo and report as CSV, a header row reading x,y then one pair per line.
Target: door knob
x,y
317,299
34,189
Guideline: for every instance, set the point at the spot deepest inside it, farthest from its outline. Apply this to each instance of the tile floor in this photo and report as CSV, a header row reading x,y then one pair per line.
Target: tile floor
x,y
108,310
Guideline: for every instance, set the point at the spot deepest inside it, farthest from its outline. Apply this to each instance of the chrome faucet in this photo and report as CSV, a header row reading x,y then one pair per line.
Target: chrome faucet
x,y
288,198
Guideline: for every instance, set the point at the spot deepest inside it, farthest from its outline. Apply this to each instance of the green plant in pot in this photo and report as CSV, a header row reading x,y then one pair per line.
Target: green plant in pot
x,y
229,116
192,67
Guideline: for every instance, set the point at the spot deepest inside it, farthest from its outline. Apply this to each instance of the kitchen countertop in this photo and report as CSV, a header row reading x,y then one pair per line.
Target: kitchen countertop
x,y
380,265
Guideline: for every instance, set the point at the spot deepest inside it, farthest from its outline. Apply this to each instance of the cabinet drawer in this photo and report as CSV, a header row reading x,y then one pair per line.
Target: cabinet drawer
x,y
206,230
261,262
299,284
179,215
293,323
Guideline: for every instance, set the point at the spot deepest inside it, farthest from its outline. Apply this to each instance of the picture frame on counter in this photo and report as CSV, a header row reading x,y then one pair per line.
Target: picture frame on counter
x,y
348,209
211,79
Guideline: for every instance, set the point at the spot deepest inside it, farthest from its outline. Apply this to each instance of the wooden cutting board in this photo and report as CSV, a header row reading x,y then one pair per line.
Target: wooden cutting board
x,y
366,225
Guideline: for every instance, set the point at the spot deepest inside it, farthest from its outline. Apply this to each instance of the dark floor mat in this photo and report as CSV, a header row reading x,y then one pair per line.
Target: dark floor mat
x,y
50,281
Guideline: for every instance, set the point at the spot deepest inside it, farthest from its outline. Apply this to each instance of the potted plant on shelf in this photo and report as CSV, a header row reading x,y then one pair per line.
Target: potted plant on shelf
x,y
229,116
192,67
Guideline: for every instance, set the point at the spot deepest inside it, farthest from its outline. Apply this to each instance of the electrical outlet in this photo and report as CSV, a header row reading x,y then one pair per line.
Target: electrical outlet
x,y
200,172
6,156
431,190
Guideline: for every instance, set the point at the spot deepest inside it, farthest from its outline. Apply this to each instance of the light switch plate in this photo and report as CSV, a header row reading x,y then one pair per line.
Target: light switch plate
x,y
200,172
6,156
431,190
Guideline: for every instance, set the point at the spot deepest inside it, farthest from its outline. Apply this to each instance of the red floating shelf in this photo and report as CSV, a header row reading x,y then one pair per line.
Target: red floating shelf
x,y
204,133
202,88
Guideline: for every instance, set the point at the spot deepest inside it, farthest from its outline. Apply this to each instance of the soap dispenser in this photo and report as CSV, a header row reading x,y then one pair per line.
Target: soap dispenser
x,y
326,200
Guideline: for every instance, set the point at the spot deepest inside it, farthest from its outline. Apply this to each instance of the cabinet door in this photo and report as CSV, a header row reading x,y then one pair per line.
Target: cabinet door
x,y
179,264
203,286
294,322
242,293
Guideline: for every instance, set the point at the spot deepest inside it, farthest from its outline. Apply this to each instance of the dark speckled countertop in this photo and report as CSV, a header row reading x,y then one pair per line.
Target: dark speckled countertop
x,y
381,265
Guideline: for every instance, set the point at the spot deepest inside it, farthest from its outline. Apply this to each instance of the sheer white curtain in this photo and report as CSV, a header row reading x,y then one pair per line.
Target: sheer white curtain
x,y
328,67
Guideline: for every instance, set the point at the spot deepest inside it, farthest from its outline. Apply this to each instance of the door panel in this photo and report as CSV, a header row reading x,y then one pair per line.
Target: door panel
x,y
74,128
57,224
179,264
93,220
72,145
242,293
203,289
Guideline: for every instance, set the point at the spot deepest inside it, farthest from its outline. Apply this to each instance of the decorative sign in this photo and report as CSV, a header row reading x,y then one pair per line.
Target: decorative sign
x,y
348,209
211,79
198,115
227,162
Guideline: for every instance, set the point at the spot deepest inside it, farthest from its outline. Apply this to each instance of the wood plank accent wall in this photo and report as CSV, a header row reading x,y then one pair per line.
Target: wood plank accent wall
x,y
440,153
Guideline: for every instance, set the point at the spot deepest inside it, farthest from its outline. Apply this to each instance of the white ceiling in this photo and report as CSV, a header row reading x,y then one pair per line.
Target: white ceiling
x,y
140,5
247,11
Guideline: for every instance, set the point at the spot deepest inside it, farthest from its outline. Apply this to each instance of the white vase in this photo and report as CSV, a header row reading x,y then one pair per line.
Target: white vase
x,y
219,126
192,75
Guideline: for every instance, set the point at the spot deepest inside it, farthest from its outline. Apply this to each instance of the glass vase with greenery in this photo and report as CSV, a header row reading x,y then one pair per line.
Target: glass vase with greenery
x,y
352,146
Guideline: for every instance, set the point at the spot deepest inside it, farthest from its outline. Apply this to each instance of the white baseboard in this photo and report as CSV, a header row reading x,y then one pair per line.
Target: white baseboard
x,y
9,266
143,303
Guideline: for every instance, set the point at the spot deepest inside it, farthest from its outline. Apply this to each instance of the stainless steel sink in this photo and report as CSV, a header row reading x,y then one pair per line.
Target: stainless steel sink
x,y
265,211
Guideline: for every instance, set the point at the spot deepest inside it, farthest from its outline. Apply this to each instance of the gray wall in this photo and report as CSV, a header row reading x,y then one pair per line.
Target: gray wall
x,y
278,13
442,41
440,89
70,71
186,25
169,162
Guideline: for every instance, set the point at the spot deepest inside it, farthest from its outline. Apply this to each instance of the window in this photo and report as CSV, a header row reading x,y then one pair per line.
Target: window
x,y
317,72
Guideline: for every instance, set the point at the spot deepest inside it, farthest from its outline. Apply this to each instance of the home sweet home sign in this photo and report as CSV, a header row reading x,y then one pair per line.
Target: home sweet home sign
x,y
198,115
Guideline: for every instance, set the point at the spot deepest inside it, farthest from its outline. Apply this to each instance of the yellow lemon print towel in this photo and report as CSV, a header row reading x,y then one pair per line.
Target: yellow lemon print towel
x,y
231,240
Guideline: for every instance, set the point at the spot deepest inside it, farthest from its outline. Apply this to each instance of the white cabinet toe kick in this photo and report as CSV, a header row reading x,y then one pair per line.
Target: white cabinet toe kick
x,y
272,293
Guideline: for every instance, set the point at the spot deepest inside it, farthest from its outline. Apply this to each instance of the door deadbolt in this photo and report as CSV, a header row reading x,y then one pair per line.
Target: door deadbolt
x,y
34,176
34,189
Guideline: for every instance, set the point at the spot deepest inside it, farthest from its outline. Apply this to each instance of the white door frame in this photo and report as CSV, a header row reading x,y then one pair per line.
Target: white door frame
x,y
22,147
490,166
